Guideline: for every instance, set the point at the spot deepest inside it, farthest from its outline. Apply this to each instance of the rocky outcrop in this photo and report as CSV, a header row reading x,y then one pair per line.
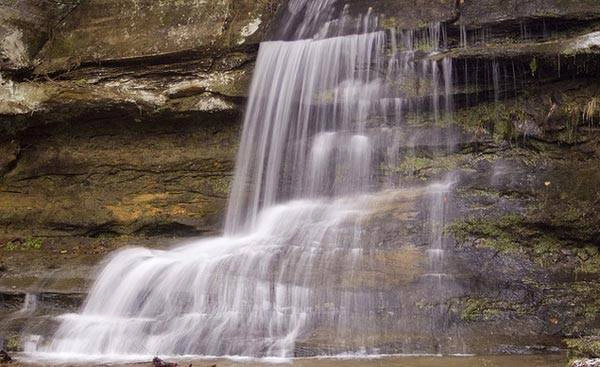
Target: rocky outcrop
x,y
25,26
109,129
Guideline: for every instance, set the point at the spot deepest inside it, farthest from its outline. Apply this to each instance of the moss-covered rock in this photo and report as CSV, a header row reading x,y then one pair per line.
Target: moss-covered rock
x,y
584,347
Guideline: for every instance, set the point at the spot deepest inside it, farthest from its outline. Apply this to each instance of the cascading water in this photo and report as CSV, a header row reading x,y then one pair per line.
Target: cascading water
x,y
299,260
306,93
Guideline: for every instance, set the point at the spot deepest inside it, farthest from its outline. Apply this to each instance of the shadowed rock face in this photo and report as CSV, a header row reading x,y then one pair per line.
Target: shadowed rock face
x,y
111,178
122,129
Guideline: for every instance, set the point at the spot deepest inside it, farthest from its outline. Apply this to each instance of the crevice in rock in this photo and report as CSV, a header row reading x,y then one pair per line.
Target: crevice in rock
x,y
170,229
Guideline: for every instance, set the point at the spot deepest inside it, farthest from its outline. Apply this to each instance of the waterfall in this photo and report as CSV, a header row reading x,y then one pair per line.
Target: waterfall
x,y
300,257
303,89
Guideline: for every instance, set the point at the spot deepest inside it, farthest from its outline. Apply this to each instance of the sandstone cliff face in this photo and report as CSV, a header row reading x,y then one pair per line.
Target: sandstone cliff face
x,y
127,92
119,124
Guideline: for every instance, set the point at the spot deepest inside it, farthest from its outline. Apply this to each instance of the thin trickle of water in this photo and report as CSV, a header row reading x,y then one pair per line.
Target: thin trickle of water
x,y
496,79
440,281
524,31
30,304
481,35
514,78
463,36
436,93
448,91
438,215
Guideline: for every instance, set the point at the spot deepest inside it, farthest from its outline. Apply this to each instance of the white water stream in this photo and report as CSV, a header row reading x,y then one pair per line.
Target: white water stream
x,y
323,116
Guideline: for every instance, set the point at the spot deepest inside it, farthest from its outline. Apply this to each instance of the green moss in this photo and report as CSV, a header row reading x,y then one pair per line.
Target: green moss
x,y
221,185
12,343
533,66
425,167
471,310
502,244
584,347
476,309
589,259
561,122
413,164
501,234
389,22
32,243
571,208
24,245
503,130
491,118
424,47
576,305
545,250
514,234
10,246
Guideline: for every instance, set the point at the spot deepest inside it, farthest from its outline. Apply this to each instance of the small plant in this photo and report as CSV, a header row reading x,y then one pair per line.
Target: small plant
x,y
13,343
591,109
33,244
533,65
28,244
573,110
10,246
